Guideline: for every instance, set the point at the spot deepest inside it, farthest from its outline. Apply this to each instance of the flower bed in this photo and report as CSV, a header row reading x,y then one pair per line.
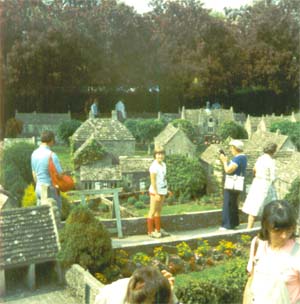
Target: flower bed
x,y
178,259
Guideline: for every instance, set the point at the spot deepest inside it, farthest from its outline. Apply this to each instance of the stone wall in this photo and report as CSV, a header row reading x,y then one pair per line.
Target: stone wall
x,y
179,222
82,284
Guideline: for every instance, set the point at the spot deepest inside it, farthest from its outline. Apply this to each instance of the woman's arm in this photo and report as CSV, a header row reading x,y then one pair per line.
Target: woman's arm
x,y
228,168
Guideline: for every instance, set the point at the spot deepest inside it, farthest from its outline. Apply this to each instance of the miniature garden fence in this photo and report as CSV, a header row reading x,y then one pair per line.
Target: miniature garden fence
x,y
110,192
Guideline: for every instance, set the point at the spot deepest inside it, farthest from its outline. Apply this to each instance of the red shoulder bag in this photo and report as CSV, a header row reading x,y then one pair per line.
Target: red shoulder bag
x,y
63,182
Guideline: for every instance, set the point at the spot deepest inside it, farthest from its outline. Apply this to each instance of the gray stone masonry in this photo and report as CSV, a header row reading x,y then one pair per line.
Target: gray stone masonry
x,y
179,222
45,295
82,285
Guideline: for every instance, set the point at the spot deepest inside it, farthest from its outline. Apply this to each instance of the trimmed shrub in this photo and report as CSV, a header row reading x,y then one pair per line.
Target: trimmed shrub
x,y
233,130
17,173
29,198
67,129
131,200
186,177
144,198
133,126
13,127
85,241
139,205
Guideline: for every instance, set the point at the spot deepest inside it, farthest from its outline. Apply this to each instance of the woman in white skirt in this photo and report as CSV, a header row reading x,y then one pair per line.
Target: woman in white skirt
x,y
262,190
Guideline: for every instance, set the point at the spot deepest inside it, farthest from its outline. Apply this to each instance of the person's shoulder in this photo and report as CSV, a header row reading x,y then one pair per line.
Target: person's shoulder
x,y
240,157
38,150
154,162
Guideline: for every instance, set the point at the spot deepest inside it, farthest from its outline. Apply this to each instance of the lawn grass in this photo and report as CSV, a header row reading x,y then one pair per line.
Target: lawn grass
x,y
64,155
178,209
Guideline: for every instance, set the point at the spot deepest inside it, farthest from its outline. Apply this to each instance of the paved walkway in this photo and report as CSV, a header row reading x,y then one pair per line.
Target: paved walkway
x,y
178,236
46,295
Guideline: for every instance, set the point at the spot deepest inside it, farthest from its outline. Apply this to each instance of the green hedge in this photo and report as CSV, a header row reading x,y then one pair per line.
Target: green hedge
x,y
16,172
186,177
67,129
221,284
85,241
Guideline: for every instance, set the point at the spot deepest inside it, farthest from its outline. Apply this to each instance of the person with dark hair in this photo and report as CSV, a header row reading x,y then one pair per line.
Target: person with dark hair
x,y
158,190
237,166
147,285
39,165
262,190
274,259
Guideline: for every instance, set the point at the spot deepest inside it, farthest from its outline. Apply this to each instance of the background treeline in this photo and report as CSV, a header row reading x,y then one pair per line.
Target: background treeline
x,y
59,52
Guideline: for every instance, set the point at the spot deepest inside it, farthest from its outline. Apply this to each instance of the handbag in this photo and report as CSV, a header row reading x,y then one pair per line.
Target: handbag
x,y
248,295
62,182
234,182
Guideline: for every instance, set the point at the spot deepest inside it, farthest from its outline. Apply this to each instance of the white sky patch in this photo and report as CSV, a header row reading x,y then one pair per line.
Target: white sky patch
x,y
141,6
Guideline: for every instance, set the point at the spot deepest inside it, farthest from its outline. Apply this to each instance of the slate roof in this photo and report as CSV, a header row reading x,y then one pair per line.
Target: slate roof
x,y
287,169
104,129
92,173
135,164
254,121
270,119
211,153
166,134
43,118
222,115
260,139
28,236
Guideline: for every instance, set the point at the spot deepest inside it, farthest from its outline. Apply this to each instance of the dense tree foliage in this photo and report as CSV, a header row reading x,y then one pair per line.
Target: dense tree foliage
x,y
186,126
144,130
67,128
57,53
233,130
292,129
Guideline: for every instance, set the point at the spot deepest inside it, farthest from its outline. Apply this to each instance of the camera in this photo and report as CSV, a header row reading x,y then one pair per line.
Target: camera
x,y
221,151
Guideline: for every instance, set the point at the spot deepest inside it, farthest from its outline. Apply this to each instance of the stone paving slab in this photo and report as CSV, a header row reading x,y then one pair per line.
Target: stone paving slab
x,y
139,241
41,296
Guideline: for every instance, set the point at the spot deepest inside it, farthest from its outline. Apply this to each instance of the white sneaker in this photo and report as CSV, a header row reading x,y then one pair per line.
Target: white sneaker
x,y
223,229
155,235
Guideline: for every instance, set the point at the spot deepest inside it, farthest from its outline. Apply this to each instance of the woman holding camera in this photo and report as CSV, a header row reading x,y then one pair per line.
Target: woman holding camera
x,y
237,166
